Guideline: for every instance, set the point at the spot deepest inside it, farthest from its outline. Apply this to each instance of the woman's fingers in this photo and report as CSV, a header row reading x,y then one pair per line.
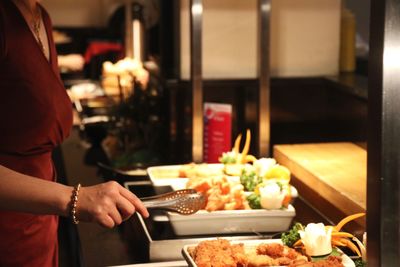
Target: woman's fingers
x,y
115,215
106,221
125,208
135,201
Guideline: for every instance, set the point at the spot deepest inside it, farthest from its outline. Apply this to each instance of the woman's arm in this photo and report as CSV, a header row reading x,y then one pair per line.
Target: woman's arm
x,y
107,204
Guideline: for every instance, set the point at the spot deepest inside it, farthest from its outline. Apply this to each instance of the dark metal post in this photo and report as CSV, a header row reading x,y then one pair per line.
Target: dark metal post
x,y
196,13
383,135
264,15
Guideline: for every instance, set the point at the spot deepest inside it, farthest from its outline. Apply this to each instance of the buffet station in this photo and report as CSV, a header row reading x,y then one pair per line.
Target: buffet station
x,y
246,216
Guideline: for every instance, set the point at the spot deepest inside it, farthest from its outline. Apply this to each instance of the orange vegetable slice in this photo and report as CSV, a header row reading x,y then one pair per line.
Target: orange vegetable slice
x,y
341,234
237,144
349,218
246,148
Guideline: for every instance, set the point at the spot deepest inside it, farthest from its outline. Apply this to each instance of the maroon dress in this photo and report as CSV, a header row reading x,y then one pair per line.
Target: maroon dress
x,y
35,116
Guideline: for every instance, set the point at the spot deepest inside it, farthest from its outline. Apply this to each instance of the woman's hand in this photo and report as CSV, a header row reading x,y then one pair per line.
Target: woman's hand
x,y
108,204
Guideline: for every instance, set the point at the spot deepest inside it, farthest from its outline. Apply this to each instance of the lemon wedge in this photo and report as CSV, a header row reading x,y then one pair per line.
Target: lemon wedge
x,y
278,172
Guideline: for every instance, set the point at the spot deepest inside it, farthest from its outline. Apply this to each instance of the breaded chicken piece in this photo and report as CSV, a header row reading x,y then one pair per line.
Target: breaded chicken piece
x,y
255,260
331,261
219,253
283,255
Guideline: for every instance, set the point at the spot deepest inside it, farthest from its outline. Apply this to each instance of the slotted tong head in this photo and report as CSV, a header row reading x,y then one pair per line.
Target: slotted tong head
x,y
184,201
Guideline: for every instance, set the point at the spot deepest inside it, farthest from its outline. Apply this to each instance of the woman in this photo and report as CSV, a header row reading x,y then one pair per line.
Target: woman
x,y
35,116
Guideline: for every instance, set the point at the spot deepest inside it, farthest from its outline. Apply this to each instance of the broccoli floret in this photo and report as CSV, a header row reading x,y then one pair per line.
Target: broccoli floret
x,y
254,201
290,237
250,180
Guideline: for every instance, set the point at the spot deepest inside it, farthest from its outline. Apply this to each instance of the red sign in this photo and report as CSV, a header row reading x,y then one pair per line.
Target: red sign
x,y
217,130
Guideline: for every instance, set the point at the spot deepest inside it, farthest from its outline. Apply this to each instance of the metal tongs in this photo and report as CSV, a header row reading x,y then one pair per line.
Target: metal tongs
x,y
185,201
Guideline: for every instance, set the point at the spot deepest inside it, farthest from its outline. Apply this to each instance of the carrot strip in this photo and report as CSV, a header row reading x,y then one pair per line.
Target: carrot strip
x,y
351,245
337,243
246,145
237,144
341,234
298,243
348,219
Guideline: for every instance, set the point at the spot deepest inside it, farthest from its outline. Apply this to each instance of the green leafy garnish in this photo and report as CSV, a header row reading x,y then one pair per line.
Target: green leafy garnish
x,y
334,252
228,158
254,201
290,237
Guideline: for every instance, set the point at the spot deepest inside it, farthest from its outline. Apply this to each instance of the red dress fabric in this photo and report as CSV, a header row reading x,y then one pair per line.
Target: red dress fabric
x,y
35,116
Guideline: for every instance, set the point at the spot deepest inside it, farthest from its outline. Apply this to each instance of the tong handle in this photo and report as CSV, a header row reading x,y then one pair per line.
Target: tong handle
x,y
154,203
169,194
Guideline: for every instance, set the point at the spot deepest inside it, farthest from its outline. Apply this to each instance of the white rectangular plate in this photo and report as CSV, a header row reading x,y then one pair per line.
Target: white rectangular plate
x,y
249,246
170,175
232,221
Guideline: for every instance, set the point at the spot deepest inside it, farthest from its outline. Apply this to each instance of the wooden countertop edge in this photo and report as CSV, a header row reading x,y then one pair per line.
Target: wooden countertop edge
x,y
332,203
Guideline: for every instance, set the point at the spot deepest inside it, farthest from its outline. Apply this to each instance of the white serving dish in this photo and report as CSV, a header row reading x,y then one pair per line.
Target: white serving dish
x,y
249,247
167,175
232,221
170,175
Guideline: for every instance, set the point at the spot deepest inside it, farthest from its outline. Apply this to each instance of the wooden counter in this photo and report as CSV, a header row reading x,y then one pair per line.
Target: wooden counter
x,y
329,176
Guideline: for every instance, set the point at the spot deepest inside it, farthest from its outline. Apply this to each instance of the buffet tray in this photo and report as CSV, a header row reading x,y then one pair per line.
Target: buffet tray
x,y
165,174
232,221
250,247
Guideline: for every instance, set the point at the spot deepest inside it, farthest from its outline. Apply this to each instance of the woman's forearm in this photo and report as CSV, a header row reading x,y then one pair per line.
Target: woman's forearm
x,y
19,192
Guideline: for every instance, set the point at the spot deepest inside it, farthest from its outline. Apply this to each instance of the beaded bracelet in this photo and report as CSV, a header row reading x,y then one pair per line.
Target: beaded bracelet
x,y
74,202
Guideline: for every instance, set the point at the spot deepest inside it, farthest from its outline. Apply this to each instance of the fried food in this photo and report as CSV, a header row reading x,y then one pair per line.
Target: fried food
x,y
220,193
283,255
331,261
219,253
255,260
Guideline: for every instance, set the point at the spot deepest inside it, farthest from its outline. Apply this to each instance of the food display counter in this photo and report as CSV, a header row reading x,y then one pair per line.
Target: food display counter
x,y
329,190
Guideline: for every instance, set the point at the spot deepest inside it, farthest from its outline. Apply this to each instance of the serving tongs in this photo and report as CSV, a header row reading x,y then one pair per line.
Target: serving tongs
x,y
184,201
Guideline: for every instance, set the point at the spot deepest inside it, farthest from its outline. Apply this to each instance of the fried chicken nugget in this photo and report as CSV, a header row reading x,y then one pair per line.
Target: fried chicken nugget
x,y
219,253
255,260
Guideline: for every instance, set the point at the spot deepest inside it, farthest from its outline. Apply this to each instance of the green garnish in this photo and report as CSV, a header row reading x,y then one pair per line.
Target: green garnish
x,y
228,158
254,201
290,237
334,252
250,180
359,262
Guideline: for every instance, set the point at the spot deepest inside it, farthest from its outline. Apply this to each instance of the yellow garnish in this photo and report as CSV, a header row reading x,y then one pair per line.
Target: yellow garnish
x,y
278,172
